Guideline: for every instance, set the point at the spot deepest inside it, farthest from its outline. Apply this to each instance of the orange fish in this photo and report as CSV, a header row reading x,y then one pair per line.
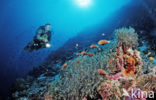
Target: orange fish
x,y
103,42
64,66
78,54
84,53
78,61
101,72
57,60
151,58
91,54
93,46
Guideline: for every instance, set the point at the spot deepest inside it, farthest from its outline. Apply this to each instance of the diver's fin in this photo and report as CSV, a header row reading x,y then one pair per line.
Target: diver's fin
x,y
31,50
26,48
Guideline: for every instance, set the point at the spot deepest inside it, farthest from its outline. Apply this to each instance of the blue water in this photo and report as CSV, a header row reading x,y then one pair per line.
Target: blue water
x,y
19,20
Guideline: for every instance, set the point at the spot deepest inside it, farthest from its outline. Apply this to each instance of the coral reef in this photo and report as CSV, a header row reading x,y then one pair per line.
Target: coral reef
x,y
119,67
103,71
126,37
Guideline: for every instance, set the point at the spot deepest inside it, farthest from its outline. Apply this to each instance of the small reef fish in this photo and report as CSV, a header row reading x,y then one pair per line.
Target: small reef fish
x,y
77,45
101,72
90,54
151,58
93,46
103,34
57,61
84,53
64,66
78,54
99,49
103,42
149,54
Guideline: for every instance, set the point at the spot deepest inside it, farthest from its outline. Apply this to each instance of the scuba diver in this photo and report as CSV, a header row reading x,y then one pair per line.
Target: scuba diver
x,y
41,39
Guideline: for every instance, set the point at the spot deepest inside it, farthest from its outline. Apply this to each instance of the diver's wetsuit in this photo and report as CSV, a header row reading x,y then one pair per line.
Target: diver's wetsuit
x,y
38,43
43,33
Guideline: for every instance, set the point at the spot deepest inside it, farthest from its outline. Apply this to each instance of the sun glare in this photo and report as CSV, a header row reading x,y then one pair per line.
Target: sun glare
x,y
83,3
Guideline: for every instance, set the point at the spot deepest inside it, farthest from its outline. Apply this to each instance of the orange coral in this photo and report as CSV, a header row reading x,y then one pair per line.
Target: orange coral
x,y
130,67
91,54
78,61
101,72
127,73
103,42
64,66
93,46
131,61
